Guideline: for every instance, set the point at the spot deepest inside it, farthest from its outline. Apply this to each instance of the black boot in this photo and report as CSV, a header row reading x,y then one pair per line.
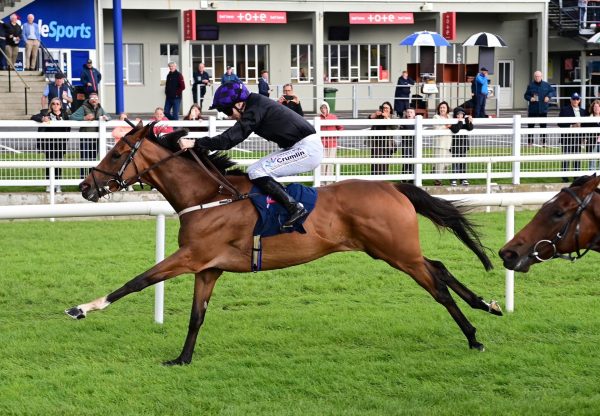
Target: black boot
x,y
273,188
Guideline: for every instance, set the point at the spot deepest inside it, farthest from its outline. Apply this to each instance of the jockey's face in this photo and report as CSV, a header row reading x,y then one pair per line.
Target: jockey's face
x,y
238,110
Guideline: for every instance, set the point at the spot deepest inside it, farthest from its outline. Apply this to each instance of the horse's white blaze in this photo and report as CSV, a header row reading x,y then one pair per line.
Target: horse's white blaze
x,y
94,305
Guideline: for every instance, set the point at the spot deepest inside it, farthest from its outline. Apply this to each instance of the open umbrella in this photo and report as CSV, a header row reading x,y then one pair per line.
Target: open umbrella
x,y
425,38
594,39
486,39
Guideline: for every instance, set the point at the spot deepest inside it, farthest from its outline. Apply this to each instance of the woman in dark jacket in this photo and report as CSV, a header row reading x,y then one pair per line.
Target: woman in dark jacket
x,y
382,146
195,114
460,142
53,148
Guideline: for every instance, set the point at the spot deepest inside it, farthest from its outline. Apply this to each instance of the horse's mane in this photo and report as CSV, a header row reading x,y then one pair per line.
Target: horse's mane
x,y
583,180
219,159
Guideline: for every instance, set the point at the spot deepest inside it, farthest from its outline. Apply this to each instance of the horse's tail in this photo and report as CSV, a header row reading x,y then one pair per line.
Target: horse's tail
x,y
446,214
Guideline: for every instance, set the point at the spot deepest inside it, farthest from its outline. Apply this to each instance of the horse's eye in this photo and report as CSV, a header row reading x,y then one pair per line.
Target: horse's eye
x,y
116,156
559,214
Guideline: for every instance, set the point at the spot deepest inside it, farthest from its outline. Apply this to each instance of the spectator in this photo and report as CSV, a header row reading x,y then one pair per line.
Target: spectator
x,y
195,114
90,78
460,142
263,83
290,100
407,141
593,140
31,33
12,33
53,148
329,143
174,87
60,90
538,95
442,144
382,146
571,142
160,128
90,110
402,93
120,131
3,64
480,91
201,81
229,76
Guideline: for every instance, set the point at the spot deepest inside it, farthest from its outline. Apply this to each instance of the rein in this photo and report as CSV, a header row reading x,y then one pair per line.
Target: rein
x,y
575,218
211,171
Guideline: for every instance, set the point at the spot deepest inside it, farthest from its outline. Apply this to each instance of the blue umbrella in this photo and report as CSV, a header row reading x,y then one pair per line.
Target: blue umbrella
x,y
425,38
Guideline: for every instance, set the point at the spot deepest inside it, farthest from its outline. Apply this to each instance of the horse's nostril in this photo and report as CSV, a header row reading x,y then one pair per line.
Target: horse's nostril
x,y
83,186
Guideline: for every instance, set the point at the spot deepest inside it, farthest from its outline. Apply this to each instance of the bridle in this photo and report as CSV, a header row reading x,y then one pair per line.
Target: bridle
x,y
122,183
575,218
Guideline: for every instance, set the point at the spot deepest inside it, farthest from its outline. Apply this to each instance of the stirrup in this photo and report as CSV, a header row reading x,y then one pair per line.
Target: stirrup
x,y
300,214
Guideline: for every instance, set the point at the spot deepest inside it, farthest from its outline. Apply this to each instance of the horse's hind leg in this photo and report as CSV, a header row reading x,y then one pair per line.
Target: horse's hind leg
x,y
438,289
203,287
440,272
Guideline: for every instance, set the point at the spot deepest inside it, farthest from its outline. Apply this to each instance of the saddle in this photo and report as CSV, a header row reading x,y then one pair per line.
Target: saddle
x,y
272,216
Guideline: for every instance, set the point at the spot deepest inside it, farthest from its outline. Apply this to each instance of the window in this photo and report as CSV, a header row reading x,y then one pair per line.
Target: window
x,y
169,52
301,64
133,58
343,63
247,60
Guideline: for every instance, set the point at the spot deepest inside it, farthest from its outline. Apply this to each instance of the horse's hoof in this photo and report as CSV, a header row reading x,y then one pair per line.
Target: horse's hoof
x,y
75,313
176,361
494,308
477,346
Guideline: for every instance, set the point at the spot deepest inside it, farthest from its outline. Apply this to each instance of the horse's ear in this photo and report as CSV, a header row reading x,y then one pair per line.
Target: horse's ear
x,y
591,184
176,135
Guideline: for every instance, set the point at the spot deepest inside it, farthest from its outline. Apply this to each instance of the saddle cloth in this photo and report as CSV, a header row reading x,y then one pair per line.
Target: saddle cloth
x,y
271,215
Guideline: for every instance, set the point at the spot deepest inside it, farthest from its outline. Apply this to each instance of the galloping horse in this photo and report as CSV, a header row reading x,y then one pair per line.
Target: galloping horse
x,y
567,224
376,217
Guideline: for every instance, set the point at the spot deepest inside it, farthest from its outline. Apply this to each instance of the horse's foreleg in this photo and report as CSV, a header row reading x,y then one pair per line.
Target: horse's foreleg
x,y
440,272
172,266
203,287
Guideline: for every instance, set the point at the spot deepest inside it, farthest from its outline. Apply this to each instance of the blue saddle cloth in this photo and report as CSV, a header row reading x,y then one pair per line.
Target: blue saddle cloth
x,y
271,215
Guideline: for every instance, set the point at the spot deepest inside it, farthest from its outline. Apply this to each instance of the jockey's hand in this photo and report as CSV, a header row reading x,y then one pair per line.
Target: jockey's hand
x,y
186,143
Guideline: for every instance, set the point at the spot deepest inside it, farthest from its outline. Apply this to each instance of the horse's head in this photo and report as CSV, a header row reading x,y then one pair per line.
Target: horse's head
x,y
564,225
125,163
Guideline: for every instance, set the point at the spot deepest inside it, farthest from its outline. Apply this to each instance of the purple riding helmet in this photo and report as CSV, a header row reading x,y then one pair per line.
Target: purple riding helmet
x,y
227,95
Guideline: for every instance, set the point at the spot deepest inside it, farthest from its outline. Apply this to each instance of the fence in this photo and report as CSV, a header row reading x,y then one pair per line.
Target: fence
x,y
161,209
497,149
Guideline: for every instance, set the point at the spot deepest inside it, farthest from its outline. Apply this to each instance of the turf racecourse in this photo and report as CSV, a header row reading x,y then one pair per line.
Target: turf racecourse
x,y
344,335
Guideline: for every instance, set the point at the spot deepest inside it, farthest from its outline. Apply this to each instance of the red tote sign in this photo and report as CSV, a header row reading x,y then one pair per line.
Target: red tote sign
x,y
449,25
381,18
189,25
251,16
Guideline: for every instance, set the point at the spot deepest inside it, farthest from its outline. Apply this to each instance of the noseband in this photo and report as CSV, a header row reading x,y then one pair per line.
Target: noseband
x,y
575,218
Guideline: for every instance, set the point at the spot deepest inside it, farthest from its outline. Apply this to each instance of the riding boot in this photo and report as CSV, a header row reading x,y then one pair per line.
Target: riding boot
x,y
273,188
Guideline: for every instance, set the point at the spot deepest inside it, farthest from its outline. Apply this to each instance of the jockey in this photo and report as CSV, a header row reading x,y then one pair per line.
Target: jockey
x,y
300,149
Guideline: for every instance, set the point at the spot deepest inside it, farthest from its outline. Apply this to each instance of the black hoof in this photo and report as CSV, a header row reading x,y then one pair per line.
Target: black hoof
x,y
75,313
477,346
494,308
176,361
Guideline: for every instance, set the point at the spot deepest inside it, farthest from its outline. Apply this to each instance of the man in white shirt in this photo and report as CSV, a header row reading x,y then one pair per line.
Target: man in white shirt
x,y
571,142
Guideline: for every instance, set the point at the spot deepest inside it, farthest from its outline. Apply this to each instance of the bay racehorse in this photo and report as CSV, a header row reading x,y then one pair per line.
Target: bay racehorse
x,y
376,217
567,227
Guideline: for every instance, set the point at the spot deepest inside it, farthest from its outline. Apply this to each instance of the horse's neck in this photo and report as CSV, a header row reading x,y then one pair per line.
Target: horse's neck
x,y
183,183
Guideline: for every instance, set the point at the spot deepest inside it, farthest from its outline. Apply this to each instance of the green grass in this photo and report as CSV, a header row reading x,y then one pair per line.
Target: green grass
x,y
344,335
